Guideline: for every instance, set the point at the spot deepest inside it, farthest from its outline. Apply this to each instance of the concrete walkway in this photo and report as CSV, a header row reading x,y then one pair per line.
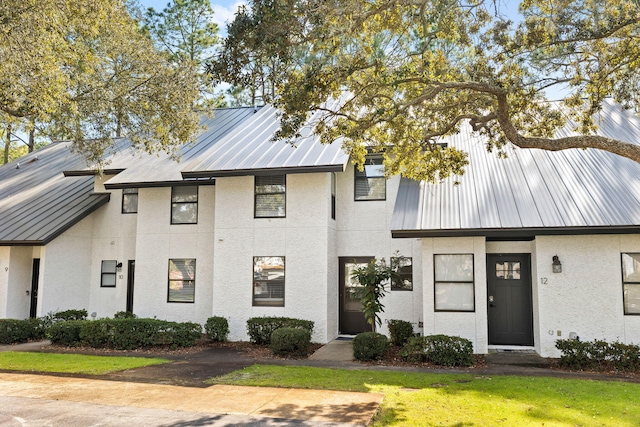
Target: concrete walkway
x,y
340,350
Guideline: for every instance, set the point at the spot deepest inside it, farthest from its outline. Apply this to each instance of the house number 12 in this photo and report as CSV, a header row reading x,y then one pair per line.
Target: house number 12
x,y
543,280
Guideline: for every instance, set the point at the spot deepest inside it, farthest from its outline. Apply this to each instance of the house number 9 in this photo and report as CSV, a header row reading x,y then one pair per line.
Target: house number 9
x,y
543,280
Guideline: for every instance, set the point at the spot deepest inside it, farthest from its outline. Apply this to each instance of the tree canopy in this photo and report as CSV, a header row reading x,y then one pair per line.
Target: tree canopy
x,y
85,70
402,73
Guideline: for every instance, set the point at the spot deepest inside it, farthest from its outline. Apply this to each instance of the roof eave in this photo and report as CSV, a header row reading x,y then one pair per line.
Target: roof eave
x,y
517,233
264,171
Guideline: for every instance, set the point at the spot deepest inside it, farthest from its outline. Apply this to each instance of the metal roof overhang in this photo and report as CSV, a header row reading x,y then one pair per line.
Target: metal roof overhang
x,y
91,172
264,171
517,233
154,184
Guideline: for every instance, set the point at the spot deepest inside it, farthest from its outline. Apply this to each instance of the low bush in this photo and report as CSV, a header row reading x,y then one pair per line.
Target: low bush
x,y
290,342
125,334
442,350
71,315
217,328
17,331
599,354
124,315
66,333
400,332
261,328
369,346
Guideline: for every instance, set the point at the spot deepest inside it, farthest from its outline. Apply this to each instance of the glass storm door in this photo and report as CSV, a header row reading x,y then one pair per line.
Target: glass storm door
x,y
352,319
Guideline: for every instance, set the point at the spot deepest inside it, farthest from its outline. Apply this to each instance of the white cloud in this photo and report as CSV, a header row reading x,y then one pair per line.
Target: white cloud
x,y
224,14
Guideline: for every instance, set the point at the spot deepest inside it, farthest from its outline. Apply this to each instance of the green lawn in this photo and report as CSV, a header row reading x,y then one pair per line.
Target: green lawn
x,y
422,399
72,363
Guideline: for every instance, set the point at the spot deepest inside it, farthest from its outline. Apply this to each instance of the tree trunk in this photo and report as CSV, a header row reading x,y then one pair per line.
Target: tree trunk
x,y
7,145
32,138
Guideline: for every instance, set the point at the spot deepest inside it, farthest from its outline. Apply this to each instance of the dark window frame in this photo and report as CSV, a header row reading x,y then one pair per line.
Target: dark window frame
x,y
472,282
334,184
257,194
129,193
627,283
170,280
256,302
108,273
360,176
176,204
402,275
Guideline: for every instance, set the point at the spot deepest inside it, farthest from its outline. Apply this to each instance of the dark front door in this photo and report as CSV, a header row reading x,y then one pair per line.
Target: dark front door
x,y
35,278
352,319
509,305
131,274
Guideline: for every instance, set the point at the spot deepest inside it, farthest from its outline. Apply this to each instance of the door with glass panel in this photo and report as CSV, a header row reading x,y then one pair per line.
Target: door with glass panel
x,y
509,299
352,319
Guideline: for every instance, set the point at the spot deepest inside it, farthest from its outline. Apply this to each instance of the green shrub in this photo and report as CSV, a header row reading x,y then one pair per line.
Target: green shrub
x,y
290,342
71,315
66,333
217,328
261,328
16,331
442,350
124,315
97,333
369,346
598,354
400,332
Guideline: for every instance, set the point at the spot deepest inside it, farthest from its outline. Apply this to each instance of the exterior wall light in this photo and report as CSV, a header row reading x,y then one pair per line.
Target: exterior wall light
x,y
556,265
119,266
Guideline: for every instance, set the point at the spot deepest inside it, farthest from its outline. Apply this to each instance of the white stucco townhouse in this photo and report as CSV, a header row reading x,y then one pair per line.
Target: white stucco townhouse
x,y
525,250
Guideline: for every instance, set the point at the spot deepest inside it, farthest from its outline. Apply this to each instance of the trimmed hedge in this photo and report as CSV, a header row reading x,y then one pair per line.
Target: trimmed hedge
x,y
290,342
125,334
17,331
124,315
261,328
599,355
369,346
400,331
443,350
71,315
217,328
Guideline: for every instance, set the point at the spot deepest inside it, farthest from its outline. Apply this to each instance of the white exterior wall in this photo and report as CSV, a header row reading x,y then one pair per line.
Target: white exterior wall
x,y
301,237
363,229
471,325
5,258
158,241
15,281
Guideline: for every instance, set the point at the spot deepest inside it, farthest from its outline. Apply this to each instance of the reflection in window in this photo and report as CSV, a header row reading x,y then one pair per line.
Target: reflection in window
x,y
270,196
454,286
182,280
404,279
631,282
129,200
184,205
108,274
508,270
268,281
352,287
370,183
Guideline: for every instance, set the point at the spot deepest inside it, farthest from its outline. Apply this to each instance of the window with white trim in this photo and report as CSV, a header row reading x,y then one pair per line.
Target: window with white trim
x,y
182,280
268,281
184,204
454,282
631,282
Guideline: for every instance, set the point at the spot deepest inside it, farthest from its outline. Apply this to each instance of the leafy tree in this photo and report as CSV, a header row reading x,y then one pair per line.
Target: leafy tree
x,y
399,74
83,70
186,32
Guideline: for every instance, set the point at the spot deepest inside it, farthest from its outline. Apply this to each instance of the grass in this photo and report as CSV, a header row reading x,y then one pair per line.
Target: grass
x,y
424,399
72,363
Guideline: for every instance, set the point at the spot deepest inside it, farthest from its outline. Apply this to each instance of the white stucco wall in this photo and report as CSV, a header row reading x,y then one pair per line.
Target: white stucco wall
x,y
363,229
15,281
301,237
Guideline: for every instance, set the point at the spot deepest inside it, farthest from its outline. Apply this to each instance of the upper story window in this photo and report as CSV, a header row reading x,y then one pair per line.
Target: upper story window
x,y
631,282
370,183
129,200
270,196
184,204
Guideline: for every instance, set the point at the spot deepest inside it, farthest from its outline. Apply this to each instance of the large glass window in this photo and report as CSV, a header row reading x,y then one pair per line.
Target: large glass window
x,y
184,205
268,280
404,279
333,195
631,282
182,280
270,196
108,274
454,289
129,200
370,183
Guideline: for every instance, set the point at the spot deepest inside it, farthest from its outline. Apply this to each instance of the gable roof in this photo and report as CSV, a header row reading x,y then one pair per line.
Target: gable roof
x,y
531,192
37,202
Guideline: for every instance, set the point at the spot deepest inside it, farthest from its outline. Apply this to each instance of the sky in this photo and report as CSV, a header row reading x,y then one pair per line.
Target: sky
x,y
224,10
